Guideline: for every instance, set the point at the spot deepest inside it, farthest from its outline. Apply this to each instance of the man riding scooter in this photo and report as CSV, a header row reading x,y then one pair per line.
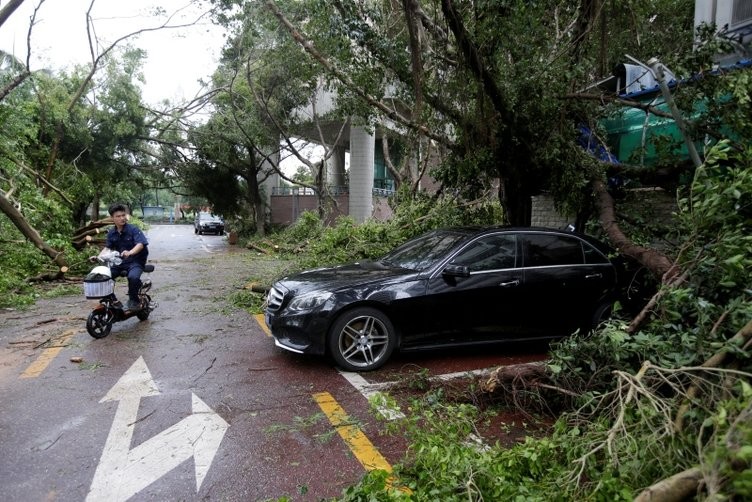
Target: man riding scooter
x,y
133,247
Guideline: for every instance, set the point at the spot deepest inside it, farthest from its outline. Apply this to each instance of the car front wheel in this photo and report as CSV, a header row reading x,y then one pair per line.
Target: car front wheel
x,y
362,339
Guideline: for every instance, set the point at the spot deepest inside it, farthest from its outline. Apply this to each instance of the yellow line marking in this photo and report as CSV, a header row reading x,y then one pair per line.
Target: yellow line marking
x,y
359,444
367,454
45,358
260,320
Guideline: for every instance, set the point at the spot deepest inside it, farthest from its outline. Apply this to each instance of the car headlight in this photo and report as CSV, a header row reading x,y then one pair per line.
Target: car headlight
x,y
308,301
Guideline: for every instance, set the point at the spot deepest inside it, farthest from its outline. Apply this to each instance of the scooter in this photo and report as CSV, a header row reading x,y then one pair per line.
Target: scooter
x,y
99,284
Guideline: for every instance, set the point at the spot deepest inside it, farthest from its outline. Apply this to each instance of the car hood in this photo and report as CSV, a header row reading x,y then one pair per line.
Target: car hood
x,y
343,276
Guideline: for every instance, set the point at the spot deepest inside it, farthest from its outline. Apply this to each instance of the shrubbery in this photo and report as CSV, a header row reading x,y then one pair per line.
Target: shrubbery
x,y
312,244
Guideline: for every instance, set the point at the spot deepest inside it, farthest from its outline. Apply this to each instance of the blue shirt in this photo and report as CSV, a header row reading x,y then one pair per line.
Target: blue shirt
x,y
127,240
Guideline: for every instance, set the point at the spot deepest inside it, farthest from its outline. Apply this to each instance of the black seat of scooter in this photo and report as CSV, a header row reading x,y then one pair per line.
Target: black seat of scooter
x,y
124,273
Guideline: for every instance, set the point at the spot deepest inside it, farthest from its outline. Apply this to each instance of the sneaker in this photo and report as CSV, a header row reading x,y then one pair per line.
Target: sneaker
x,y
133,305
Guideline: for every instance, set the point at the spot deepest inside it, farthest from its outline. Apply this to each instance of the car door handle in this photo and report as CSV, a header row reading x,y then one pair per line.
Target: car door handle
x,y
594,276
509,284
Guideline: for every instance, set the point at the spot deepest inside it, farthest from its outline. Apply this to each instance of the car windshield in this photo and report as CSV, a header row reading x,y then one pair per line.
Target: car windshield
x,y
419,254
209,217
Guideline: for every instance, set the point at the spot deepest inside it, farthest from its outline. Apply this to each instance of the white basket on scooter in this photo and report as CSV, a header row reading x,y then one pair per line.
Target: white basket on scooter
x,y
98,286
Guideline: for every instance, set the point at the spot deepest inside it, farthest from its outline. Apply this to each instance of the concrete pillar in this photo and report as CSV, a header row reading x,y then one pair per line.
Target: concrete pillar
x,y
362,147
335,169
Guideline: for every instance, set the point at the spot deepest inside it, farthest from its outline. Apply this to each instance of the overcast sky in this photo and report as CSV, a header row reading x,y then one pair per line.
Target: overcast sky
x,y
177,58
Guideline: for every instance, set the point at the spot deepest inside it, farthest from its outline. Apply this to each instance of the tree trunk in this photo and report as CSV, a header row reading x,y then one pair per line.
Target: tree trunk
x,y
516,202
255,199
260,210
30,233
678,487
658,263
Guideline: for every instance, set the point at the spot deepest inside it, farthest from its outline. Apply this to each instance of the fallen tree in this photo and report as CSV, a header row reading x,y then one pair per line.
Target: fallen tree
x,y
15,216
91,234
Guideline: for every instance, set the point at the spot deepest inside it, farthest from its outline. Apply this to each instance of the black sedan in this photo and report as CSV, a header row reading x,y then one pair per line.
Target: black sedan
x,y
449,287
206,223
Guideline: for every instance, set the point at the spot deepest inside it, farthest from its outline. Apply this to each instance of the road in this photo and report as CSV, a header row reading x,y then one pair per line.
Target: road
x,y
195,403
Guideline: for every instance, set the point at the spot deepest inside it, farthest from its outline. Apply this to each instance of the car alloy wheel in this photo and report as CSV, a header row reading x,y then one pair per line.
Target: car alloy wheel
x,y
362,339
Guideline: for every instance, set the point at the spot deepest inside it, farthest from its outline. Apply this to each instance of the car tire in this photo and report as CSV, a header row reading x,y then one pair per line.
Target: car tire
x,y
195,230
601,314
362,339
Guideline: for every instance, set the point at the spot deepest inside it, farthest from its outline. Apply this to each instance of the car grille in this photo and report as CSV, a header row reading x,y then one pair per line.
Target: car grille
x,y
274,300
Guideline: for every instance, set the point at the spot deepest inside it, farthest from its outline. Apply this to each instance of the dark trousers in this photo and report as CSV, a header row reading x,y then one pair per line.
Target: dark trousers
x,y
133,271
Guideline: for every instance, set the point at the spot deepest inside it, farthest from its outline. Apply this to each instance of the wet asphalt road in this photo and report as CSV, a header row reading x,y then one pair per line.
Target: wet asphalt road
x,y
194,403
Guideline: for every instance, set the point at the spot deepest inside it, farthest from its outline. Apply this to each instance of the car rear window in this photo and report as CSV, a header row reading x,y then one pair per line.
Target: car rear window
x,y
592,255
545,250
490,252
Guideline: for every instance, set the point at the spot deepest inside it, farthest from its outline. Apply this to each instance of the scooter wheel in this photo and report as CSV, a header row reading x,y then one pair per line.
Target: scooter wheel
x,y
98,324
143,313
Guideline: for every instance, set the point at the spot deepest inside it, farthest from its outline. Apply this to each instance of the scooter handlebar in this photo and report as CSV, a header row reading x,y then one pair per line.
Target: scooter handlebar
x,y
111,258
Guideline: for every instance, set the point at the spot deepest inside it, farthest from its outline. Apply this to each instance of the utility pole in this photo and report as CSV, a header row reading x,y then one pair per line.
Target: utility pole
x,y
656,67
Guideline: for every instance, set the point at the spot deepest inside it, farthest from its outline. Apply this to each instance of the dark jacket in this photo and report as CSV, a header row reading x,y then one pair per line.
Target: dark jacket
x,y
126,240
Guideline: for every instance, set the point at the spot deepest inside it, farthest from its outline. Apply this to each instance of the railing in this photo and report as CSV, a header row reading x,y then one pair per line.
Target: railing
x,y
383,184
383,192
331,190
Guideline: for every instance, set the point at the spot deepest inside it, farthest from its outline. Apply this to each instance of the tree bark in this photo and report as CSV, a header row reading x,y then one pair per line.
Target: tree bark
x,y
658,263
6,11
17,80
504,375
674,489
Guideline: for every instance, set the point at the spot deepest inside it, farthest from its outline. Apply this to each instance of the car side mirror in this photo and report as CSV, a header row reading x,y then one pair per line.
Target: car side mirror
x,y
456,271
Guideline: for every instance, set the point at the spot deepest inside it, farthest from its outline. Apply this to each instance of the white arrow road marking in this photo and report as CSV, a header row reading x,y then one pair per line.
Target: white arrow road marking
x,y
122,472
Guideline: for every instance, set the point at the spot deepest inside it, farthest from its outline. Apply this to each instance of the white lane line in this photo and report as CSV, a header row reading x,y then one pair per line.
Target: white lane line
x,y
460,374
372,390
375,390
